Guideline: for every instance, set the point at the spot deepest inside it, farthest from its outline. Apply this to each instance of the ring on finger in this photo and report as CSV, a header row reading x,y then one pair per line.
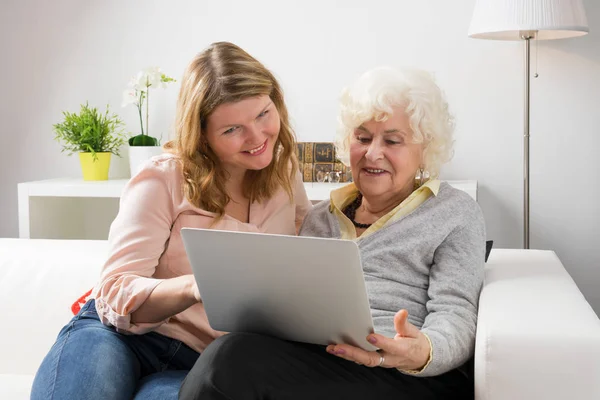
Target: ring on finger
x,y
381,360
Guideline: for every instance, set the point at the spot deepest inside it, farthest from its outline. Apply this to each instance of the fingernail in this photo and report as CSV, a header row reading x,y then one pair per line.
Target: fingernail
x,y
372,339
340,351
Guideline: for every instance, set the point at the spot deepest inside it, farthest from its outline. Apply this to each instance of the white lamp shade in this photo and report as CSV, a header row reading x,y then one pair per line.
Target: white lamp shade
x,y
505,19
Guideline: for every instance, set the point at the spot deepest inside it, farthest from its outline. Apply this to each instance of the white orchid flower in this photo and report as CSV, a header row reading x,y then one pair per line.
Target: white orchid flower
x,y
134,83
161,85
138,90
153,77
140,82
129,97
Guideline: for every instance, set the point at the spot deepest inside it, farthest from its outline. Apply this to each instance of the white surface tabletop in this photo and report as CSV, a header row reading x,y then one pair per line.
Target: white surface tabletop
x,y
77,187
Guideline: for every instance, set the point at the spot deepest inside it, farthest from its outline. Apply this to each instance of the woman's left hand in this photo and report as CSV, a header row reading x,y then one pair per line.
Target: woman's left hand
x,y
408,350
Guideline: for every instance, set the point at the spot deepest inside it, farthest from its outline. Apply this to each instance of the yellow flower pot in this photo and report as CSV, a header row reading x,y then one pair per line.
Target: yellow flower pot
x,y
95,170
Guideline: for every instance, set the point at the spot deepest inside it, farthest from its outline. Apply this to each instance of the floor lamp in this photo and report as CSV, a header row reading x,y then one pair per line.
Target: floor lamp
x,y
526,20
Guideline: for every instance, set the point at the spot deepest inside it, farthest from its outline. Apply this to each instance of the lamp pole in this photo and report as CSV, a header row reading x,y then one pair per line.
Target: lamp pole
x,y
526,36
525,20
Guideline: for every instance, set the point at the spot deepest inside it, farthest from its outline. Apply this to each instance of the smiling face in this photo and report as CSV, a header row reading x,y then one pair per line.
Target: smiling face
x,y
383,158
242,134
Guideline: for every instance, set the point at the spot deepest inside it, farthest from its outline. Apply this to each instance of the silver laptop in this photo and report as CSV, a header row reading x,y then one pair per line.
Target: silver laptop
x,y
303,289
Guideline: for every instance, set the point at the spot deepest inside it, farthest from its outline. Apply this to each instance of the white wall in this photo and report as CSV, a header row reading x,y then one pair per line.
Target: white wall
x,y
56,55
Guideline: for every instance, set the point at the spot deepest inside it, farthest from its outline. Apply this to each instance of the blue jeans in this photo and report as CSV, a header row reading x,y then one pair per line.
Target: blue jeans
x,y
92,361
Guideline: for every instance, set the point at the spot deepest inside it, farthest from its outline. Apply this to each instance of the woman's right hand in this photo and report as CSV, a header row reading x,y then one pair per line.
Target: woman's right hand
x,y
194,291
169,297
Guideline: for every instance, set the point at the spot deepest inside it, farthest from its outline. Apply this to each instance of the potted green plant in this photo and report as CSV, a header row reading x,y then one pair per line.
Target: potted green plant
x,y
94,135
143,146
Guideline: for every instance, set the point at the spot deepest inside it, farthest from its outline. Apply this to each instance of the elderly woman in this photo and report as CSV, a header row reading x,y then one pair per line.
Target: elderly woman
x,y
422,246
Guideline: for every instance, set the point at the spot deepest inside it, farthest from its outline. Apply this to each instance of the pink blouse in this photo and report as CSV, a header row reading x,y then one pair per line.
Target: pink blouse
x,y
145,247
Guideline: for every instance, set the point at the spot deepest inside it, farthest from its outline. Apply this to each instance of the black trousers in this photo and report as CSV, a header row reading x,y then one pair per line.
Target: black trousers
x,y
241,366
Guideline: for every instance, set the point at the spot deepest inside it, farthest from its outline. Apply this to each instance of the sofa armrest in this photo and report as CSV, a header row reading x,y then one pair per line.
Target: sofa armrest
x,y
537,336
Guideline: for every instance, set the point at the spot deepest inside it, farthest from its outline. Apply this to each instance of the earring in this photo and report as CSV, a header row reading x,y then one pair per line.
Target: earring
x,y
421,177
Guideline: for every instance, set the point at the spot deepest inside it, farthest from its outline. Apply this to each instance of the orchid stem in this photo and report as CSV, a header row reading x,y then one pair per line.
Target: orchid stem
x,y
140,112
147,103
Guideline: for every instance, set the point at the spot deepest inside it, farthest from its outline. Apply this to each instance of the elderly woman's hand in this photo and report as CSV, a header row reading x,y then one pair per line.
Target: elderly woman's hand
x,y
408,350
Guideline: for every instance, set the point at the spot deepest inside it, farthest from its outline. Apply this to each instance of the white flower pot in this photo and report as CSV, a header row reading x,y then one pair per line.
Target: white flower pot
x,y
138,155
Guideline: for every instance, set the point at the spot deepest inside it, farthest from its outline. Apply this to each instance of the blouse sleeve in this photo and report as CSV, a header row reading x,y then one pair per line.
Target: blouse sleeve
x,y
137,239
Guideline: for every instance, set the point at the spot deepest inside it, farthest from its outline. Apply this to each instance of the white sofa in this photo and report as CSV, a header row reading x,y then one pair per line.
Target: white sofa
x,y
537,337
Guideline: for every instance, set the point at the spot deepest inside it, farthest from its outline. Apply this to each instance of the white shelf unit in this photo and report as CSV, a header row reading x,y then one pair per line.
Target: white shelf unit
x,y
71,208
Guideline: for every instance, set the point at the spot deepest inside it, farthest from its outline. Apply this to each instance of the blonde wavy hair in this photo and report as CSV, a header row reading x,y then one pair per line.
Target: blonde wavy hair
x,y
374,94
225,73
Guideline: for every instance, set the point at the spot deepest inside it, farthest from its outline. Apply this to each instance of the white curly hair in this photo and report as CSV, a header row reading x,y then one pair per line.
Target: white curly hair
x,y
374,94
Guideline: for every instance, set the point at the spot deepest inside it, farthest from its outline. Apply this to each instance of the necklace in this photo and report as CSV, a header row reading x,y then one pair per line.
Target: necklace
x,y
350,212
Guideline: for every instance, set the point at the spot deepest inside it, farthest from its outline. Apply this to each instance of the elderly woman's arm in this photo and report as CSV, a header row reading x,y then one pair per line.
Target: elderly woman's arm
x,y
455,283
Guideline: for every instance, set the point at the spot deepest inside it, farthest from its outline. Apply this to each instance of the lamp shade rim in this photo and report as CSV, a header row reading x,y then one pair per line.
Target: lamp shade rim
x,y
542,33
507,19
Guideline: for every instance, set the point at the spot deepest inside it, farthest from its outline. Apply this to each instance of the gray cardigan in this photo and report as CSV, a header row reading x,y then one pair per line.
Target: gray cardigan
x,y
431,263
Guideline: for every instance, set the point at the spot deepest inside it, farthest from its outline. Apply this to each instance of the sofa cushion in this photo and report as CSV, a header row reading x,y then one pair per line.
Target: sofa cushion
x,y
39,281
15,387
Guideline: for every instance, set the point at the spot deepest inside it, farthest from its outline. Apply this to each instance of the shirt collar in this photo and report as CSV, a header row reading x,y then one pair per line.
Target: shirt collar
x,y
341,197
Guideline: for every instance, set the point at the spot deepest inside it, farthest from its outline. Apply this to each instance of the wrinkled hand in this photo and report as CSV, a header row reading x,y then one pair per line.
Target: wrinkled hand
x,y
408,350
